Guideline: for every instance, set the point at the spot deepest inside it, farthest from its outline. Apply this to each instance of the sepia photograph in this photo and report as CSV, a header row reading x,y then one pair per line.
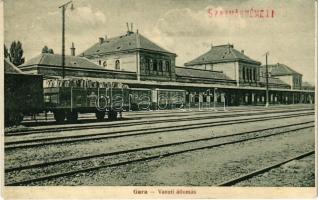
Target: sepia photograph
x,y
159,99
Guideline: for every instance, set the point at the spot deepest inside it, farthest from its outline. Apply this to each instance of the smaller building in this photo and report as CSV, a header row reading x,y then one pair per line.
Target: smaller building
x,y
307,86
233,63
9,67
50,65
284,73
192,75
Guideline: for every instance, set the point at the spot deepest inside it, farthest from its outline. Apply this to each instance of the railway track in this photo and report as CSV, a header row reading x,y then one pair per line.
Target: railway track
x,y
138,153
252,174
127,124
143,131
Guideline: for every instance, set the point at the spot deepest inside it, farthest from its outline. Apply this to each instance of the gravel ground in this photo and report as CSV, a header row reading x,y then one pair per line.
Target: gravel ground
x,y
53,152
26,174
200,168
298,173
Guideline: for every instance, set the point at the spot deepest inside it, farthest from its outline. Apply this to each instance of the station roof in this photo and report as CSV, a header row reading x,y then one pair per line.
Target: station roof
x,y
221,54
9,67
274,81
279,69
129,41
56,60
306,85
199,73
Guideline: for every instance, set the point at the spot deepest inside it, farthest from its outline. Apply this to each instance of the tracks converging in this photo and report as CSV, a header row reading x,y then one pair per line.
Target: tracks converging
x,y
119,155
143,131
252,174
52,170
143,122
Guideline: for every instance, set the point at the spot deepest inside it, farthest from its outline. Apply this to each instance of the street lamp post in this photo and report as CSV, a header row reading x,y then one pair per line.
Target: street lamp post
x,y
64,6
267,92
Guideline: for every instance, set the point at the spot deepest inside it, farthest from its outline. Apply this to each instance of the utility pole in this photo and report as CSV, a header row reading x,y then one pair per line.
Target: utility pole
x,y
267,92
64,6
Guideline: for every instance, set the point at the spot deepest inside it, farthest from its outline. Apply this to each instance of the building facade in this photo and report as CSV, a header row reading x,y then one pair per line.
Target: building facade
x,y
222,74
284,73
233,63
135,53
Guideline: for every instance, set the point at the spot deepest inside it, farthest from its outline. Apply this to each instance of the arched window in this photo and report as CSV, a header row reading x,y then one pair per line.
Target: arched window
x,y
151,65
248,74
167,66
105,63
255,75
155,65
244,73
117,64
147,66
160,66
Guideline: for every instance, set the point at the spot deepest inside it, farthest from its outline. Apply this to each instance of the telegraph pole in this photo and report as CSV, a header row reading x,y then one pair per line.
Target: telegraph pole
x,y
63,36
267,93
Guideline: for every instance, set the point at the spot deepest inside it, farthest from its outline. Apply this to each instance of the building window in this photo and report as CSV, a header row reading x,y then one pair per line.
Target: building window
x,y
255,77
99,62
167,66
147,66
105,63
117,65
160,66
248,74
155,65
244,73
151,65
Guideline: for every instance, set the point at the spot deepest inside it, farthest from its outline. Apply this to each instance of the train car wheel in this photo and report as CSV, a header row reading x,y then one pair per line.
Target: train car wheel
x,y
72,116
112,115
59,116
100,115
13,119
18,118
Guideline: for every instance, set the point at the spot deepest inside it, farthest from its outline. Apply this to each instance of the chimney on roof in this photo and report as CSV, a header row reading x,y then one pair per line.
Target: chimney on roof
x,y
127,27
242,51
129,31
101,40
137,31
72,49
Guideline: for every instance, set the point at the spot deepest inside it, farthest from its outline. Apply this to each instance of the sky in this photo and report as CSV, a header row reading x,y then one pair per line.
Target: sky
x,y
183,27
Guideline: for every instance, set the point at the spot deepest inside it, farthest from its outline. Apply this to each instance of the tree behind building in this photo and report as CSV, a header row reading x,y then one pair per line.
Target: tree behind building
x,y
16,53
47,50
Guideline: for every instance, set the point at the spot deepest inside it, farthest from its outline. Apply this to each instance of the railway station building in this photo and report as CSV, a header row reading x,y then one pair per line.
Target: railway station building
x,y
222,74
